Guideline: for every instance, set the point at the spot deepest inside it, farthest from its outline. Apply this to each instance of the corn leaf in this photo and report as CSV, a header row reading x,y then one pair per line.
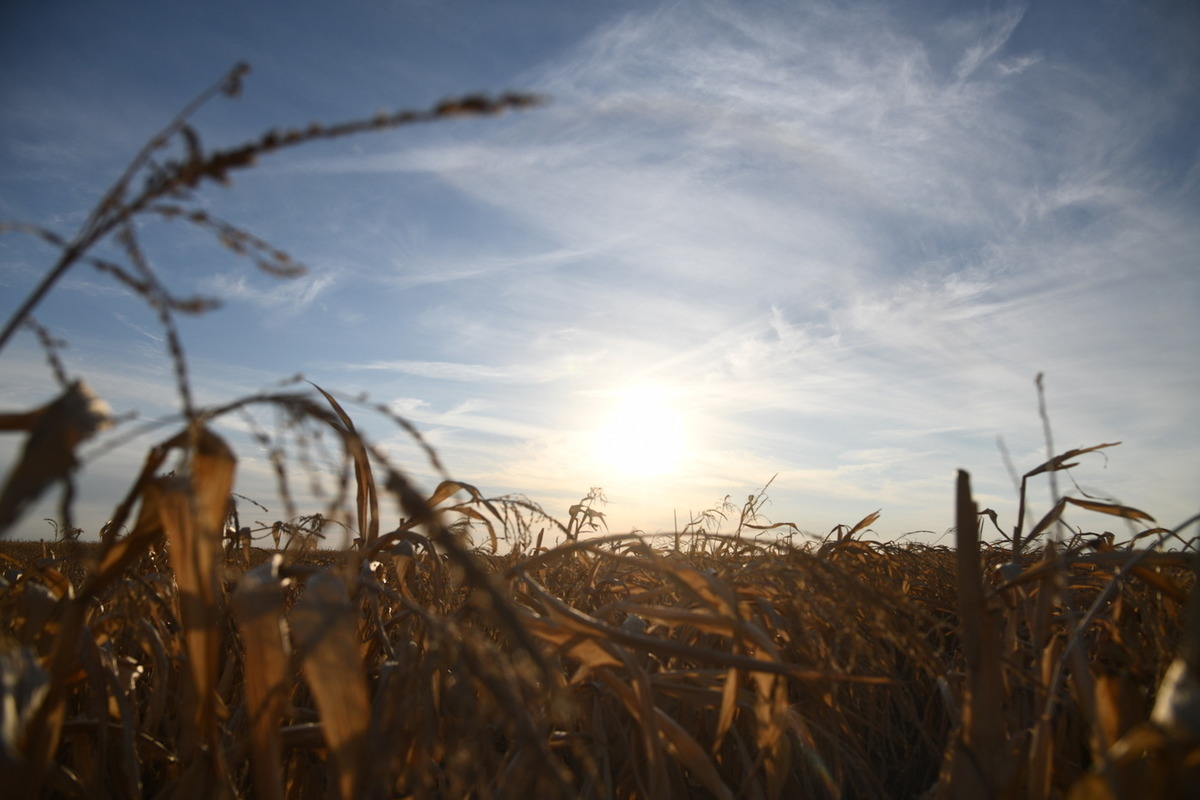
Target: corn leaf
x,y
325,632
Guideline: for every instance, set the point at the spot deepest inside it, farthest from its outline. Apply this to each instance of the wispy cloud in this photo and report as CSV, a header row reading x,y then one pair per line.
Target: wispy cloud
x,y
847,237
472,373
994,32
825,224
283,298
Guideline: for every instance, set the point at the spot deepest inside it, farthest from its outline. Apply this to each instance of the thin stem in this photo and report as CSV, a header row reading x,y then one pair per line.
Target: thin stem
x,y
97,225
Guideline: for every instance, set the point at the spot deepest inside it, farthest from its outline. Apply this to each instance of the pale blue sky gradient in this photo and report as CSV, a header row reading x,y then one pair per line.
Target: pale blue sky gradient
x,y
842,238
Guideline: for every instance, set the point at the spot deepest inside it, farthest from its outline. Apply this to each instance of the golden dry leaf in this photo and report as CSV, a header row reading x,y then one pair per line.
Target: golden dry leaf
x,y
1060,461
864,523
55,431
579,645
1148,761
674,617
1045,522
1162,583
444,491
729,696
59,585
366,498
192,511
1118,705
1148,568
1039,769
1115,510
638,699
706,587
688,752
325,633
259,609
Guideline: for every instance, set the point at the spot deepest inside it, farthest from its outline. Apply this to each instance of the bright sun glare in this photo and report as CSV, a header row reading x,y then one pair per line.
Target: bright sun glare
x,y
643,436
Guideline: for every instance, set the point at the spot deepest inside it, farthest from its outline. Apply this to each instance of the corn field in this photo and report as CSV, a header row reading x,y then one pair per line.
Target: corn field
x,y
176,658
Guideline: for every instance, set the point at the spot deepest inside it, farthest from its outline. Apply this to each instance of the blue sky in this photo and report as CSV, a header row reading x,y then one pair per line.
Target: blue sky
x,y
832,242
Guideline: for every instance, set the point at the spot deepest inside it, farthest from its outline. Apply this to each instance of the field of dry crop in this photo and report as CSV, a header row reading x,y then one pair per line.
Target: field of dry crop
x,y
174,659
161,665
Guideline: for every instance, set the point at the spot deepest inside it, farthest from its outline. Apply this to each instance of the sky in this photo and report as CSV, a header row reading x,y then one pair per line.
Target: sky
x,y
822,245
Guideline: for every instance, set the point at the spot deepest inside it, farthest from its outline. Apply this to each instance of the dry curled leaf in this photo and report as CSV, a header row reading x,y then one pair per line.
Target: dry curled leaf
x,y
325,631
55,432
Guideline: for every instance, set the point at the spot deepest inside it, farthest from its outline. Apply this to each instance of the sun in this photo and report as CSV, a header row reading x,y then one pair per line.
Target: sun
x,y
643,436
